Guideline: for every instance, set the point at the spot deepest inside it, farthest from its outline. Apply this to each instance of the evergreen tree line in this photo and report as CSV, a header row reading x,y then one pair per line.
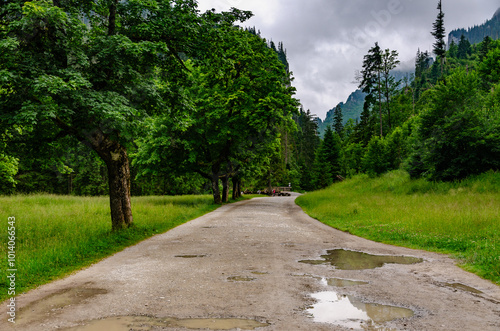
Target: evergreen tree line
x,y
444,124
476,34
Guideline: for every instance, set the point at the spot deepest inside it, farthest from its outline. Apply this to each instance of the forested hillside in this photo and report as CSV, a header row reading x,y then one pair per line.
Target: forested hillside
x,y
476,34
443,125
351,110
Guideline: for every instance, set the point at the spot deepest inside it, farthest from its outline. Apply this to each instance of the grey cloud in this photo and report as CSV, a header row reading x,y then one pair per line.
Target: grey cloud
x,y
327,39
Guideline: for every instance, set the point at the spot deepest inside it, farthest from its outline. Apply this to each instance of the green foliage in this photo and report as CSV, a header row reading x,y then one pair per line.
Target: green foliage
x,y
352,158
8,169
375,161
239,100
489,68
327,164
464,48
459,218
456,142
338,121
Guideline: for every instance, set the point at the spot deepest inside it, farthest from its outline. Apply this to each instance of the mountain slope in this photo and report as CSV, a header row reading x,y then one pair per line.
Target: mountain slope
x,y
477,33
351,109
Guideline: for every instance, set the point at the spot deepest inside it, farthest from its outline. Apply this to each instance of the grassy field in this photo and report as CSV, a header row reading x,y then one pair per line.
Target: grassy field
x,y
461,219
56,235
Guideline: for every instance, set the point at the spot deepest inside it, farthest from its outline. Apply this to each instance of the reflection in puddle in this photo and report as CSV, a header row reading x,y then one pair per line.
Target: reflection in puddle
x,y
350,312
145,323
339,282
351,260
458,286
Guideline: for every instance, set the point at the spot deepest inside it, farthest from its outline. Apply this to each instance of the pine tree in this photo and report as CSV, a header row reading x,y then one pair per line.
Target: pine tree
x,y
371,80
485,47
439,33
338,121
390,85
453,50
464,48
327,164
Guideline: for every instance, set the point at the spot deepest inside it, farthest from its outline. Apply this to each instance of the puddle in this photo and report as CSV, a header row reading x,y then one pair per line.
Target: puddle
x,y
145,323
462,287
240,279
339,282
351,260
190,256
350,312
55,303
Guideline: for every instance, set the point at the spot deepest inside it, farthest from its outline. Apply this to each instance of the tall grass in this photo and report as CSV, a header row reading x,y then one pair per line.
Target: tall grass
x,y
461,218
60,234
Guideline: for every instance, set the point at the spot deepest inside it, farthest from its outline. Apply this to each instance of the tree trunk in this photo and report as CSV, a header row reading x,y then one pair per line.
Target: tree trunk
x,y
380,106
112,18
215,185
119,189
225,188
236,188
116,159
269,184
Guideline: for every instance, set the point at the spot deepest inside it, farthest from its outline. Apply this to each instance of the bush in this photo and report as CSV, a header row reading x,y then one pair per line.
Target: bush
x,y
456,141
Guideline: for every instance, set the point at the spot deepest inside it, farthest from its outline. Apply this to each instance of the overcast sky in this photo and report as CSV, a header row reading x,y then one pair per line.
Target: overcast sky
x,y
327,39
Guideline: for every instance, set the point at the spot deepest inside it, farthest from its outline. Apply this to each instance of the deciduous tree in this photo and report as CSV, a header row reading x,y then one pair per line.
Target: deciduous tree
x,y
94,71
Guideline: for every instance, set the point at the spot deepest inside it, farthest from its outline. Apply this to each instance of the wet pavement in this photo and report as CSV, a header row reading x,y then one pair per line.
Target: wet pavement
x,y
262,265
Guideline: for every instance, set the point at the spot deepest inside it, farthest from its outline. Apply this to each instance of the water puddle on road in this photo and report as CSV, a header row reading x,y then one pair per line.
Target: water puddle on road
x,y
351,260
462,287
145,323
240,279
54,303
350,312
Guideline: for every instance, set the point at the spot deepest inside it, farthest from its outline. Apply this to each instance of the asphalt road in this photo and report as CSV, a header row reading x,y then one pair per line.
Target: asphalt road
x,y
239,268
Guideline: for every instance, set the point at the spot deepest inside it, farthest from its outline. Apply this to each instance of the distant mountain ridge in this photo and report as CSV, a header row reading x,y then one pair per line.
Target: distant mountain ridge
x,y
477,33
351,109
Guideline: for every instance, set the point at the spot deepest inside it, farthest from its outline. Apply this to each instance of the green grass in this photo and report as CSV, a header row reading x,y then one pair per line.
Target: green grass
x,y
461,219
57,235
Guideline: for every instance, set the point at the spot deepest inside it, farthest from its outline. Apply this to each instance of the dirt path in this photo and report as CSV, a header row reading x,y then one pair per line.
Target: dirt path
x,y
238,267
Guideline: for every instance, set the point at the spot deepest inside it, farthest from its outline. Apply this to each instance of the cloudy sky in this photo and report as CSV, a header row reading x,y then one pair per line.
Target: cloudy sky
x,y
327,39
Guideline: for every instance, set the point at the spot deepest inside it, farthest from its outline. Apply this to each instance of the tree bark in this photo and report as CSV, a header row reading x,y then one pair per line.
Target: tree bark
x,y
215,190
236,188
215,184
119,191
225,188
116,159
112,18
